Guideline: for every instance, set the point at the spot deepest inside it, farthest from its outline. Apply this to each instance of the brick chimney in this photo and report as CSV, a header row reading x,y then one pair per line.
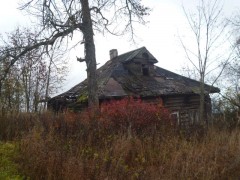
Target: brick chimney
x,y
113,53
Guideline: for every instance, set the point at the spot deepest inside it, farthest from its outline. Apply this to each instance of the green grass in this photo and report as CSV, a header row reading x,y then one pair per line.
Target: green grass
x,y
8,168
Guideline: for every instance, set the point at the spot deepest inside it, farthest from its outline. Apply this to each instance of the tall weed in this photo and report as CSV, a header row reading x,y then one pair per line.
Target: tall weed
x,y
127,139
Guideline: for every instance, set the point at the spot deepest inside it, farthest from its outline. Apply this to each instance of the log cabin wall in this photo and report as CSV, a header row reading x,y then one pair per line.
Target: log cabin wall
x,y
185,108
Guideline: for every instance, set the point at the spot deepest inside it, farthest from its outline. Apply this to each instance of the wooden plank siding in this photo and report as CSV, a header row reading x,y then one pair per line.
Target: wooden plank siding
x,y
183,108
187,108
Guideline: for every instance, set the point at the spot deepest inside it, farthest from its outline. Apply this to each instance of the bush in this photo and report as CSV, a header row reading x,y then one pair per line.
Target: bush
x,y
134,115
14,125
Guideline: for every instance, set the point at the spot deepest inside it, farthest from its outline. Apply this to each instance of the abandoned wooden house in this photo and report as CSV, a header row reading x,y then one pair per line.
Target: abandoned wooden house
x,y
134,74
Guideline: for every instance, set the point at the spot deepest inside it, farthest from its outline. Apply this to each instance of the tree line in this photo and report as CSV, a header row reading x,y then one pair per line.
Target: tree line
x,y
28,83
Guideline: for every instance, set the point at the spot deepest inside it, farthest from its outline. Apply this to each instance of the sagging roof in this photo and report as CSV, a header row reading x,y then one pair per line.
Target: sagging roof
x,y
115,80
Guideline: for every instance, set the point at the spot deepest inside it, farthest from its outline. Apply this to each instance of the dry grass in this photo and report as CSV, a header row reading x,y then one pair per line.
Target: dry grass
x,y
215,156
14,125
66,147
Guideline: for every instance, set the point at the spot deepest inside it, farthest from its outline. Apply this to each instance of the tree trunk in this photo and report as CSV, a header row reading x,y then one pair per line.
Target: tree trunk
x,y
202,98
36,95
90,57
47,84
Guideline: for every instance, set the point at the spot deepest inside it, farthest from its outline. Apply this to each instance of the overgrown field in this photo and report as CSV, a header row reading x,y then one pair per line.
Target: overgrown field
x,y
117,143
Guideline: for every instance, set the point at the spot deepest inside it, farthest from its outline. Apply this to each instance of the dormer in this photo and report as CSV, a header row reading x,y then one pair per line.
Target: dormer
x,y
142,64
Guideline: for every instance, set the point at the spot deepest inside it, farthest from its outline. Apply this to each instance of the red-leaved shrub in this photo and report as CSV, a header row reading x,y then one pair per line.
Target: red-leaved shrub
x,y
127,115
133,114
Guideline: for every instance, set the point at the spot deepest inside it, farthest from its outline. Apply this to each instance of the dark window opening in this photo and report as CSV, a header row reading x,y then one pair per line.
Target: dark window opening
x,y
145,70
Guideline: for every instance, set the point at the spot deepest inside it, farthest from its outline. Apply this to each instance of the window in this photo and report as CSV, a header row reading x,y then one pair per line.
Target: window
x,y
175,117
145,69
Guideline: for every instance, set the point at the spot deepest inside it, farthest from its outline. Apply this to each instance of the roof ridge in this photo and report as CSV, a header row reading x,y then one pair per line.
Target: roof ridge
x,y
128,53
132,51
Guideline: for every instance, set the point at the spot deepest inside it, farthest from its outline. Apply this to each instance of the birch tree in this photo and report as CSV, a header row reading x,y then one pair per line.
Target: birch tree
x,y
208,32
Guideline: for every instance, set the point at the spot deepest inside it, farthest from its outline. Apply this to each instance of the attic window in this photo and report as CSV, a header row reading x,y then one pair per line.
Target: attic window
x,y
145,70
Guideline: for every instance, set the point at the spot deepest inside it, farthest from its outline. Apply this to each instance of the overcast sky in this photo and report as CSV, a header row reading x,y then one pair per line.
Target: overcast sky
x,y
159,36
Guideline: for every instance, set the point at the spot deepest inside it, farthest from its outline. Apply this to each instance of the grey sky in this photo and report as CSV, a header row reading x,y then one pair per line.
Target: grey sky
x,y
159,36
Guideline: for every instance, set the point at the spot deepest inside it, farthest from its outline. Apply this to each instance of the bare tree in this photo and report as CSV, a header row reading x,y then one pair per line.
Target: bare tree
x,y
11,90
56,73
209,33
24,86
60,19
232,80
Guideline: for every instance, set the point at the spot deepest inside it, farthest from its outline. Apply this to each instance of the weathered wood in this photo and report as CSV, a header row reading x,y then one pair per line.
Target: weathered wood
x,y
134,74
188,111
